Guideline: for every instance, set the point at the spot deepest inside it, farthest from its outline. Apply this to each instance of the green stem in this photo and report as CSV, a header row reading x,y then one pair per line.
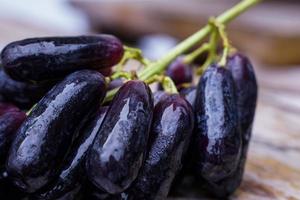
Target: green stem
x,y
187,44
169,85
121,74
155,78
212,51
110,95
29,111
188,59
136,54
226,44
159,66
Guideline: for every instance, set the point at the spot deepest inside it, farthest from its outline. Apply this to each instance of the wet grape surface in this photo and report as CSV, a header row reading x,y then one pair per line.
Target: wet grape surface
x,y
119,148
63,138
218,139
47,133
40,59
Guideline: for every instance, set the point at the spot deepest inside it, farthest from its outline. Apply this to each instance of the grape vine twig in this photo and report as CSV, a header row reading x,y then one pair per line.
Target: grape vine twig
x,y
159,66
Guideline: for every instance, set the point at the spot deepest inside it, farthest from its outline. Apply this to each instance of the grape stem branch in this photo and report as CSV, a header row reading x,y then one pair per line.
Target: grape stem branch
x,y
159,66
196,38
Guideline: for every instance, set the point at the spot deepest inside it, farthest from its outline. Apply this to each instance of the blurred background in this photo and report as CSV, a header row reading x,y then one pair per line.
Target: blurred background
x,y
269,34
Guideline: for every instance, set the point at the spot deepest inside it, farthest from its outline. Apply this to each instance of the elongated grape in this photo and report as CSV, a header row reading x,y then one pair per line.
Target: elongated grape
x,y
158,96
180,72
217,142
115,83
10,121
118,151
44,139
40,59
246,85
189,94
170,133
73,175
7,107
24,95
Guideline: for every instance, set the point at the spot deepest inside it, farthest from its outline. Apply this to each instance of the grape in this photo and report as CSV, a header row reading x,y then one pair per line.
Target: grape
x,y
10,121
91,192
114,160
217,142
40,59
24,95
115,83
170,134
43,140
73,175
189,94
8,192
245,82
180,72
158,96
106,71
7,107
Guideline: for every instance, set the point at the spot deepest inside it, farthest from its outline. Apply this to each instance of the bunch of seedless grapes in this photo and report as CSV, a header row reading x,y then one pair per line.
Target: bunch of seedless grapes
x,y
95,131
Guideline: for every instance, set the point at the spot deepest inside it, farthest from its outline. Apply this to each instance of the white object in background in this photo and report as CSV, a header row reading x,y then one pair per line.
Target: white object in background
x,y
46,14
157,45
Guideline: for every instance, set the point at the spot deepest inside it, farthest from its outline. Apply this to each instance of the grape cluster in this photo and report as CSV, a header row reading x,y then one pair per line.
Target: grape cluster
x,y
72,145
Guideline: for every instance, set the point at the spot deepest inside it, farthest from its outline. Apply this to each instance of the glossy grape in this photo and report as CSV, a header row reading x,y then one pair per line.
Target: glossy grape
x,y
117,154
24,95
246,86
10,121
43,140
180,72
40,59
106,71
7,107
159,95
170,133
73,175
189,94
115,83
217,142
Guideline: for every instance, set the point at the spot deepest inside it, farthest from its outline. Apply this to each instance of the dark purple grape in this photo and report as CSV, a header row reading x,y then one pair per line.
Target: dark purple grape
x,y
217,142
44,139
189,94
40,59
115,83
246,87
24,95
170,133
10,121
118,151
159,95
7,107
245,82
106,71
91,192
7,191
180,72
73,175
